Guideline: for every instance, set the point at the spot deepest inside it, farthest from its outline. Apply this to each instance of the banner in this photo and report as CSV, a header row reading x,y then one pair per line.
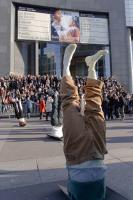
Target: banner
x,y
65,26
61,26
34,25
94,30
129,12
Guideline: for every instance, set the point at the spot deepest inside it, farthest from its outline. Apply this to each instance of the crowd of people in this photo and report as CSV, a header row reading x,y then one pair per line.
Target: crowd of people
x,y
37,94
116,100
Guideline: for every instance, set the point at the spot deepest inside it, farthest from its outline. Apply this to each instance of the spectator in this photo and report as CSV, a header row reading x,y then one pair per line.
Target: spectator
x,y
105,105
42,107
28,105
122,104
131,104
49,102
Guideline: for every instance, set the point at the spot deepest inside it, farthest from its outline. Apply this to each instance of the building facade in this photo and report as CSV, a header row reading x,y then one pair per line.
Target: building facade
x,y
31,41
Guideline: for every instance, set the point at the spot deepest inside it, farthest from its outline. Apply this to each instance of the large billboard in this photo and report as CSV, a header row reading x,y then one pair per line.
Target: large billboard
x,y
94,30
33,25
129,12
61,26
65,26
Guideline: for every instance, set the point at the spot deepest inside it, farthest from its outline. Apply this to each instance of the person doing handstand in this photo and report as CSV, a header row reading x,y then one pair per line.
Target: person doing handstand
x,y
84,135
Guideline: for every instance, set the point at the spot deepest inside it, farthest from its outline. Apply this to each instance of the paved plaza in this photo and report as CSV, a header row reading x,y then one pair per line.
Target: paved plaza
x,y
32,164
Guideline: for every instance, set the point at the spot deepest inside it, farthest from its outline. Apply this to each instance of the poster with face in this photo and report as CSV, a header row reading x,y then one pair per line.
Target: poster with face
x,y
65,26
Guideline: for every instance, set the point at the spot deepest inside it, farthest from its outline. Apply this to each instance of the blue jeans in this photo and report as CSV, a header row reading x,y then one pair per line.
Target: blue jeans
x,y
87,190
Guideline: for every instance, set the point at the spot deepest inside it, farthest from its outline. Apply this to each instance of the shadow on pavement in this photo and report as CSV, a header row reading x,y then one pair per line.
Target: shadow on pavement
x,y
50,189
17,139
47,191
121,139
119,127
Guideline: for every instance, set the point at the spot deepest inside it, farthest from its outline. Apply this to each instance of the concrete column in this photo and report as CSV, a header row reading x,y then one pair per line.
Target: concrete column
x,y
12,54
130,62
36,58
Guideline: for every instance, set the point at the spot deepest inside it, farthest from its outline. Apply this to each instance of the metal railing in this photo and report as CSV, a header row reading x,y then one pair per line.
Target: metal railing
x,y
7,110
34,110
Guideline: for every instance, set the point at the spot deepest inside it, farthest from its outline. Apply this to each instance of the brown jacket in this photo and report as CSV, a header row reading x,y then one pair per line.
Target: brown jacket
x,y
84,136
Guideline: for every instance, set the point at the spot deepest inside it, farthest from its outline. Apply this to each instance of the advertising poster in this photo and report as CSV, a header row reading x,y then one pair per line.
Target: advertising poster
x,y
65,26
34,25
129,12
94,30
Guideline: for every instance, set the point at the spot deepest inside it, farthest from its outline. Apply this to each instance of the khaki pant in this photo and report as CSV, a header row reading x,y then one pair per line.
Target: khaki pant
x,y
84,136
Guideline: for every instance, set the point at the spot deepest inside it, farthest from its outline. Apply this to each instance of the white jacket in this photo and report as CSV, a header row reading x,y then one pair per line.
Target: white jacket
x,y
49,102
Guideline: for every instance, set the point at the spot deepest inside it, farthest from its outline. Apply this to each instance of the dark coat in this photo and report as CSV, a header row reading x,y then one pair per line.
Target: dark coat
x,y
56,115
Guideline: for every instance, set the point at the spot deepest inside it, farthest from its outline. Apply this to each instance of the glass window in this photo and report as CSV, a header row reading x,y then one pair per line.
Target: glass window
x,y
51,59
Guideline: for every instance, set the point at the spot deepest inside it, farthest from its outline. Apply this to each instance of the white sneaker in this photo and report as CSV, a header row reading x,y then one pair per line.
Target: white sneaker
x,y
56,132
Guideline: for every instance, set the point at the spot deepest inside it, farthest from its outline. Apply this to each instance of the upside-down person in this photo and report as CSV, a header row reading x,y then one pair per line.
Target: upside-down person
x,y
84,136
18,109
